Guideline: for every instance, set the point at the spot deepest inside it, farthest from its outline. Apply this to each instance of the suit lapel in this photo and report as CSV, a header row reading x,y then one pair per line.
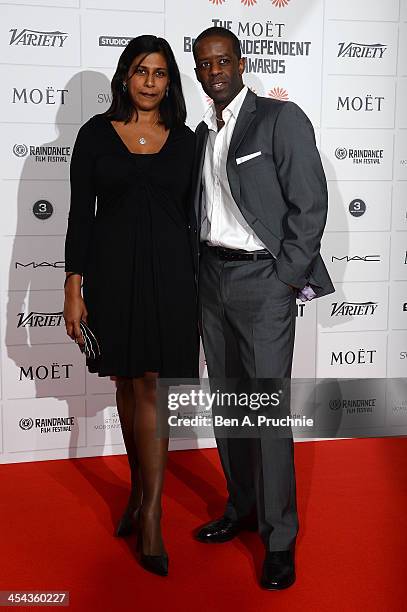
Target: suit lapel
x,y
245,118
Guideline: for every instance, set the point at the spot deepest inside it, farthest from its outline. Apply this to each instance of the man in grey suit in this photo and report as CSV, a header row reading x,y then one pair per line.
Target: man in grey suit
x,y
260,208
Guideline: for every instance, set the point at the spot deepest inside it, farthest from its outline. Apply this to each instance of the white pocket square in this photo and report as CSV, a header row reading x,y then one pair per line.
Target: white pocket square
x,y
241,160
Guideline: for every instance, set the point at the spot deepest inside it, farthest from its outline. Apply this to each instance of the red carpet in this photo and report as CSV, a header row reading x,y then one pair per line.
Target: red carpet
x,y
57,519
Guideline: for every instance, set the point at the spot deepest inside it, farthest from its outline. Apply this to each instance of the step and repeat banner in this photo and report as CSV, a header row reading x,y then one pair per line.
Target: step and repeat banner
x,y
344,63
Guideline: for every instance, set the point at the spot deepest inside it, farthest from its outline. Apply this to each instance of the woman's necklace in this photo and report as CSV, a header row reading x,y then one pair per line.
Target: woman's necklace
x,y
142,140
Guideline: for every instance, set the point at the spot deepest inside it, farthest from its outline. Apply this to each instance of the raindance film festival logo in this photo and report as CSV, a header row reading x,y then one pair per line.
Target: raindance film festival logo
x,y
352,309
37,38
353,406
361,50
114,41
39,319
43,210
47,154
360,156
48,425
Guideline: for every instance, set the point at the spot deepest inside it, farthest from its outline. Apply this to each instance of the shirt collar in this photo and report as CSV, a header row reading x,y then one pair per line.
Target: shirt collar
x,y
233,108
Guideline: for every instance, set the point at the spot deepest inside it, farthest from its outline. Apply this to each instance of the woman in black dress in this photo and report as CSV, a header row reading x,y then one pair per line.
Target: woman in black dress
x,y
134,258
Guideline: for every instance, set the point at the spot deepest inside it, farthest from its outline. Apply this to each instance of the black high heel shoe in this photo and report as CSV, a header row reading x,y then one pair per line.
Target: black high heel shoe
x,y
127,524
157,564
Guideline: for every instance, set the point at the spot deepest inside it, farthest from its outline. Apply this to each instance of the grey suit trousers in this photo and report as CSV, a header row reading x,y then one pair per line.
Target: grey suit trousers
x,y
248,326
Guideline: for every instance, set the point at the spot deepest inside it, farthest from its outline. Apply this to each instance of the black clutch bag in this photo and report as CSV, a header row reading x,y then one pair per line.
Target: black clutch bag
x,y
91,346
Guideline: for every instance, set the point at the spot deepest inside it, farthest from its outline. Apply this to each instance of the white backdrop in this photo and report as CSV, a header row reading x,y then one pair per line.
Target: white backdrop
x,y
344,62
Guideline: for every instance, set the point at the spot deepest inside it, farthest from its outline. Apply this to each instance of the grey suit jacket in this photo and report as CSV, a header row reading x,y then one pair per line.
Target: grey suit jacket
x,y
281,193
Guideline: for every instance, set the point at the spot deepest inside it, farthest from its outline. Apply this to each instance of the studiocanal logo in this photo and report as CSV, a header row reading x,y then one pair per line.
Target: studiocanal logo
x,y
48,424
37,38
361,50
353,309
39,319
43,210
45,154
114,41
360,156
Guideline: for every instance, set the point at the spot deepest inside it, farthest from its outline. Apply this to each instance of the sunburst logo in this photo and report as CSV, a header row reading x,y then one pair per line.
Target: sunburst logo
x,y
280,3
278,93
249,2
217,1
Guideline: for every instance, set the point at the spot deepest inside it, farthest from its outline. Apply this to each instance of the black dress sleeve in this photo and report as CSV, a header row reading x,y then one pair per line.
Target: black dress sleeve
x,y
83,197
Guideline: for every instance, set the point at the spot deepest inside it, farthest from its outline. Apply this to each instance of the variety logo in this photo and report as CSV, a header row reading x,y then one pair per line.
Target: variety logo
x,y
54,371
38,96
37,38
362,356
278,93
39,319
370,258
357,207
360,156
361,50
43,264
44,153
357,103
114,41
43,209
48,425
354,406
352,309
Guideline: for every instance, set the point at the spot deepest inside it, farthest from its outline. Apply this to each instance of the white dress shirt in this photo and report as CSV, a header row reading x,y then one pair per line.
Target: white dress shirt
x,y
222,222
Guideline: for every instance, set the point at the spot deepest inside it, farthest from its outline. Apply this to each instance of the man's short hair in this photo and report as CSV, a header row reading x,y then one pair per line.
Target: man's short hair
x,y
222,32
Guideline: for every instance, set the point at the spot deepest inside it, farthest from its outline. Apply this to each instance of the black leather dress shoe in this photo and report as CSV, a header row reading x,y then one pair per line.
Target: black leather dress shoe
x,y
223,530
278,570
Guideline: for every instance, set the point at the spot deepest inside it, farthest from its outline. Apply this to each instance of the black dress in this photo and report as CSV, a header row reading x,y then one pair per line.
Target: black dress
x,y
134,252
